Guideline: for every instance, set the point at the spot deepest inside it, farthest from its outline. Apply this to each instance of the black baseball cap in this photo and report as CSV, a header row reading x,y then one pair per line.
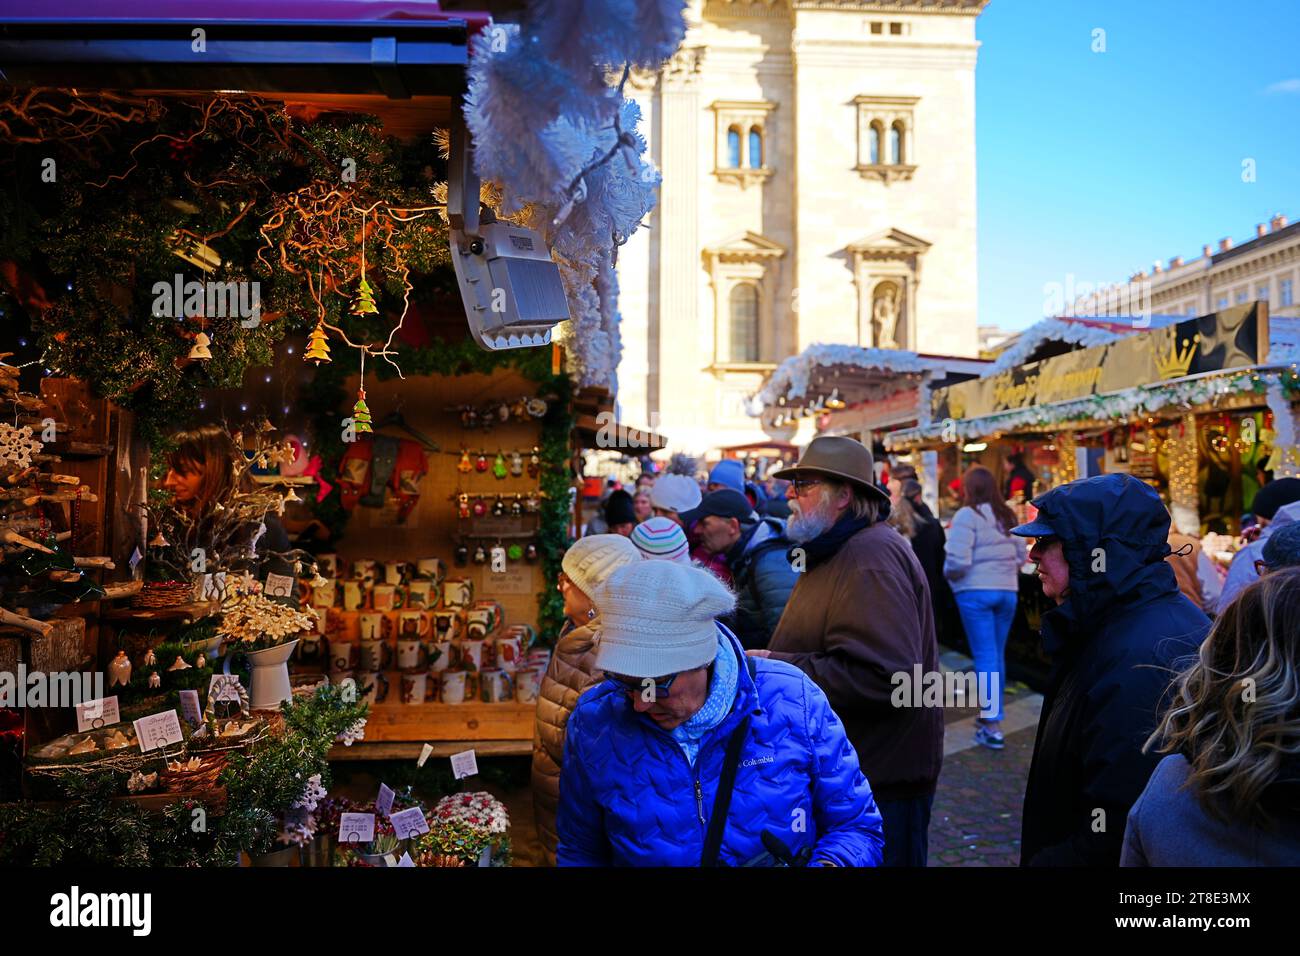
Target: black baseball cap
x,y
723,503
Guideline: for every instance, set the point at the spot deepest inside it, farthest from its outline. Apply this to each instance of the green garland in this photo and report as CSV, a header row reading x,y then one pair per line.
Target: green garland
x,y
94,829
325,400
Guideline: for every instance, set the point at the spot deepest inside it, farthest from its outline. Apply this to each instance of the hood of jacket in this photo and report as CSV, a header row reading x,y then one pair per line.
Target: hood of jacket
x,y
1115,533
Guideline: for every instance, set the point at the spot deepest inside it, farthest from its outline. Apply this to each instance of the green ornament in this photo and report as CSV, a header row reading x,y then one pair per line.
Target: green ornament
x,y
499,466
514,552
365,300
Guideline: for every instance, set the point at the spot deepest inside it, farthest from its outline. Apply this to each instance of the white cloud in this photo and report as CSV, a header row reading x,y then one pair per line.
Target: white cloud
x,y
1285,86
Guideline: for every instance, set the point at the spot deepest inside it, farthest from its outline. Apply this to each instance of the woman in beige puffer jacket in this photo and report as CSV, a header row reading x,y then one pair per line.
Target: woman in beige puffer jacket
x,y
572,670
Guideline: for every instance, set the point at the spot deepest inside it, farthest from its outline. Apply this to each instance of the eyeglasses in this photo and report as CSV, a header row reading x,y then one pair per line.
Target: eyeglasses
x,y
635,685
1262,568
801,485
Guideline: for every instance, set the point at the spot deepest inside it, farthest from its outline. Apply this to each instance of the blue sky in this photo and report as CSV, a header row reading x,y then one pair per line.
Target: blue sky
x,y
1099,163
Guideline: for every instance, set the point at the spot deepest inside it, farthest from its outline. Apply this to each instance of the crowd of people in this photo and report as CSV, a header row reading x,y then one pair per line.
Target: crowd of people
x,y
725,693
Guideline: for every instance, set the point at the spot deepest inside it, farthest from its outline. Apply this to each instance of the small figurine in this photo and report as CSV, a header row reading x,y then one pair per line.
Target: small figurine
x,y
201,661
150,658
503,412
480,507
480,555
462,505
532,504
481,463
514,552
499,466
516,507
462,556
535,462
516,464
119,670
155,681
499,508
464,465
530,553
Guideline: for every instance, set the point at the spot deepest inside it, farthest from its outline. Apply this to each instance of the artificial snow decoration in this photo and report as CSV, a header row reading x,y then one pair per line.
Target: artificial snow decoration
x,y
791,377
562,144
1078,334
17,445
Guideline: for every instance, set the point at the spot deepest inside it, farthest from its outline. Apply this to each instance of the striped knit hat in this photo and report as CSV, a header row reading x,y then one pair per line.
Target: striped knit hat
x,y
662,538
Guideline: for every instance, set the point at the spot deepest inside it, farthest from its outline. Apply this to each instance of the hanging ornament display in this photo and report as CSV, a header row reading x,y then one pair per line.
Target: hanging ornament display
x,y
119,670
200,352
18,445
499,466
364,304
318,349
464,465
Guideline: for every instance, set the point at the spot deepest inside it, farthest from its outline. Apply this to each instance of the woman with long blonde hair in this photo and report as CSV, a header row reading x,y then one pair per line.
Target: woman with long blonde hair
x,y
1228,794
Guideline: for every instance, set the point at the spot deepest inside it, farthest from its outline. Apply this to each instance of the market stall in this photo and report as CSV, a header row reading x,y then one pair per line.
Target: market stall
x,y
292,467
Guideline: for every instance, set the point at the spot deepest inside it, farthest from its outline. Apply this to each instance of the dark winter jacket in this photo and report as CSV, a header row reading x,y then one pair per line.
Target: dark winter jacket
x,y
1116,643
628,796
857,617
762,577
1169,826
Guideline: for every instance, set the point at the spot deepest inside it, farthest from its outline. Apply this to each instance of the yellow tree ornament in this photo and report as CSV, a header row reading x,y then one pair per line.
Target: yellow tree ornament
x,y
200,351
318,349
364,304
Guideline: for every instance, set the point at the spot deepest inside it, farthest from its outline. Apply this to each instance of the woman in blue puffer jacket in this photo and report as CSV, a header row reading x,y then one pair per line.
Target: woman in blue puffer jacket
x,y
646,749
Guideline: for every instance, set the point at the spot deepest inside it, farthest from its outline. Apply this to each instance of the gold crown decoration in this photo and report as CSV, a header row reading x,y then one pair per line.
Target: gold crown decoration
x,y
1176,362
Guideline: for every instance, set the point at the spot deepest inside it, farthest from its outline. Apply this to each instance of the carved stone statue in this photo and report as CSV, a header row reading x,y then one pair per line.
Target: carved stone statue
x,y
884,316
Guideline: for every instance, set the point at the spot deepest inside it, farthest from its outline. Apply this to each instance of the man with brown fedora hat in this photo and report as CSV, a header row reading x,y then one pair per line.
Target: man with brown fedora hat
x,y
860,614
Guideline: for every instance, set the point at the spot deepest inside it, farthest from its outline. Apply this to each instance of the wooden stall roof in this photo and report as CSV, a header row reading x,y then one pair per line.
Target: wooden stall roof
x,y
595,414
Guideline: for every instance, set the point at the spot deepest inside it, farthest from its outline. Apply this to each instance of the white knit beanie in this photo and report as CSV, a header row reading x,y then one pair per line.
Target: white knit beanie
x,y
675,493
590,560
657,618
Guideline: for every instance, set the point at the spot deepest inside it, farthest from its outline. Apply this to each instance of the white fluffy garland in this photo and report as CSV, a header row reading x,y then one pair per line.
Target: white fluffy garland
x,y
791,377
541,111
1049,330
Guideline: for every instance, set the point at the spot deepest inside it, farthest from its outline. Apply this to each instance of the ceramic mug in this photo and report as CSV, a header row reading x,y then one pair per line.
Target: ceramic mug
x,y
327,565
385,597
395,573
458,592
413,624
376,654
431,569
354,596
411,655
422,594
344,657
528,684
495,686
374,626
376,687
439,654
452,687
366,571
325,594
446,624
471,652
414,688
506,653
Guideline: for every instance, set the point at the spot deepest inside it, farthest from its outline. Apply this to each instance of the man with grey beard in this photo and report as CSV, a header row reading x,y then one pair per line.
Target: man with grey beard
x,y
860,614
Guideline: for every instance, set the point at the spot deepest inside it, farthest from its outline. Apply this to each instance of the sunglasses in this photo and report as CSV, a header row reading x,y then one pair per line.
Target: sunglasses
x,y
802,485
636,685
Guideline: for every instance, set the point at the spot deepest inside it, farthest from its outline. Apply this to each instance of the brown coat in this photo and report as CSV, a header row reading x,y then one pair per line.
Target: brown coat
x,y
572,670
853,622
1187,566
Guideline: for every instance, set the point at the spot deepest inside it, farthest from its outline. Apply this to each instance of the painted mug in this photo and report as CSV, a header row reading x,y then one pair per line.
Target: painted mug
x,y
422,594
386,597
411,654
528,684
413,624
374,626
325,594
447,624
344,656
452,687
375,686
415,688
376,654
366,571
507,653
471,652
395,572
431,569
439,653
495,686
354,596
327,565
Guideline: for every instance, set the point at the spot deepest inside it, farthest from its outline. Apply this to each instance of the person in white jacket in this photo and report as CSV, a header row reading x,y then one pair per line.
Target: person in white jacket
x,y
982,562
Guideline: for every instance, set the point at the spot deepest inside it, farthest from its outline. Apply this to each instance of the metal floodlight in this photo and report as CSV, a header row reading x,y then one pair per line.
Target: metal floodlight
x,y
508,282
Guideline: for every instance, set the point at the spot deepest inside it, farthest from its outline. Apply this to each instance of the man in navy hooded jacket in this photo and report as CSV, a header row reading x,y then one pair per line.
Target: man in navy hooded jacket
x,y
1120,631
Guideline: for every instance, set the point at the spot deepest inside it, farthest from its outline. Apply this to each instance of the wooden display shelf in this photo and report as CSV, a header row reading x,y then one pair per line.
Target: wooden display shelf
x,y
180,612
462,723
397,750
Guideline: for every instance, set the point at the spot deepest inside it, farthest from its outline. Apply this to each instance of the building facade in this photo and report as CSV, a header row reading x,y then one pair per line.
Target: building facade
x,y
1264,268
818,161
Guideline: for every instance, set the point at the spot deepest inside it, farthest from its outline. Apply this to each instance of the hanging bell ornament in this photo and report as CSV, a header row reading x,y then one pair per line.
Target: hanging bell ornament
x,y
158,541
499,509
119,670
499,467
200,351
480,507
514,552
480,555
361,413
292,495
155,681
464,465
462,505
318,348
516,507
530,553
481,463
150,658
364,304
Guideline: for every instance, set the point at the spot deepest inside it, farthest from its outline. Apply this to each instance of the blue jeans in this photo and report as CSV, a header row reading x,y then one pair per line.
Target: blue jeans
x,y
987,617
906,824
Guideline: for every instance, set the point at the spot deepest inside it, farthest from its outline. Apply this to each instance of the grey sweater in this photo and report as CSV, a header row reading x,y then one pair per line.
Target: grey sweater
x,y
1169,827
979,556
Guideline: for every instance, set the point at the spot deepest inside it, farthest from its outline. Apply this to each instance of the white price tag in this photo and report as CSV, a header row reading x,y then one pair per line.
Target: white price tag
x,y
158,730
190,708
425,753
93,714
278,585
464,764
405,861
485,858
384,802
409,822
356,828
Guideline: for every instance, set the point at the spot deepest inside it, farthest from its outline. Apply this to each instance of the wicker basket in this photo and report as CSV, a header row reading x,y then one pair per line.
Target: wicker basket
x,y
160,594
184,781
